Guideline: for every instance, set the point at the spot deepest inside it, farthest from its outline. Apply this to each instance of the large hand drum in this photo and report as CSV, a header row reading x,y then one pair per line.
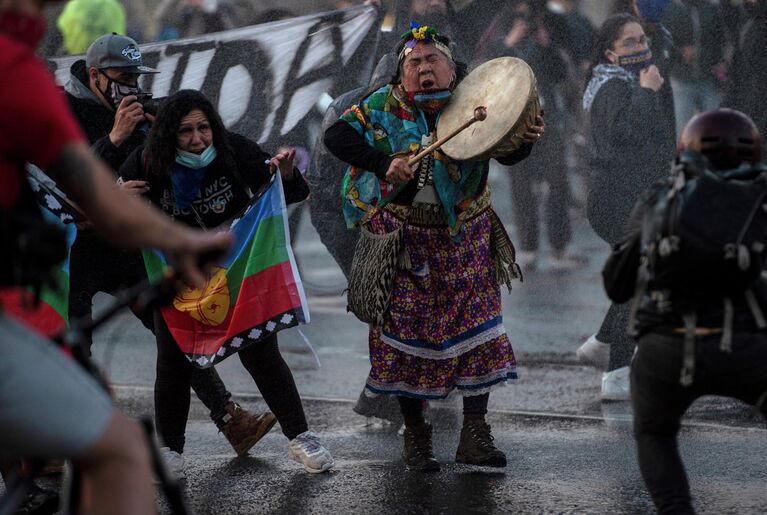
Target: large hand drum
x,y
506,87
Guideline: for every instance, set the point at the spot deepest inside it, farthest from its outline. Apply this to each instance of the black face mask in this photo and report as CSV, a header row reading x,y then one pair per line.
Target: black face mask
x,y
116,91
637,61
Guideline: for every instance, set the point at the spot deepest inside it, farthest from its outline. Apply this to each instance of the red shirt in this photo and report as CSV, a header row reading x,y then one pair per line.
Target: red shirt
x,y
35,121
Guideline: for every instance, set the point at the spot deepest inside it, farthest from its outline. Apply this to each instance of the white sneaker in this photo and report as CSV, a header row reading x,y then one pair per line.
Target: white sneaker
x,y
615,385
594,353
174,462
307,450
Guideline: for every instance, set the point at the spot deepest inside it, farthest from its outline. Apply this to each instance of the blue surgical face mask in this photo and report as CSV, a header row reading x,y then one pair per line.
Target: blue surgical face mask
x,y
196,161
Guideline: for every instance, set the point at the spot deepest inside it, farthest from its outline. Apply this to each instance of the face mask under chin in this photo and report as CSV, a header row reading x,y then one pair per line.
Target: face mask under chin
x,y
430,101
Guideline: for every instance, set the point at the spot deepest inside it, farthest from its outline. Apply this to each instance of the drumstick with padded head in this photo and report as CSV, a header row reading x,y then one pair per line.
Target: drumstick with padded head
x,y
480,113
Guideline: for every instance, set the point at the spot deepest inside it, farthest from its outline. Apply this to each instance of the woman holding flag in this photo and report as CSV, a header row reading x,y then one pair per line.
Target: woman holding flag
x,y
200,174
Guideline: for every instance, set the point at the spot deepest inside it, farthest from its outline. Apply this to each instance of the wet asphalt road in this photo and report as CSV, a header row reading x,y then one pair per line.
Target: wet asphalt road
x,y
568,453
556,465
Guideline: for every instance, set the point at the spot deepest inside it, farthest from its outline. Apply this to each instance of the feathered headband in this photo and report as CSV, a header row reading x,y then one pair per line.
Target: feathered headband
x,y
425,34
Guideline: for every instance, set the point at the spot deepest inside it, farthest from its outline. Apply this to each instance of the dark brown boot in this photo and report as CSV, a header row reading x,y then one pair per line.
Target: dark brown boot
x,y
243,429
476,446
417,452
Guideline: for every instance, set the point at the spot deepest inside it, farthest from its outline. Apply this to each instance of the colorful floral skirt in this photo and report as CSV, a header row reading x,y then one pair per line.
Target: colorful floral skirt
x,y
443,331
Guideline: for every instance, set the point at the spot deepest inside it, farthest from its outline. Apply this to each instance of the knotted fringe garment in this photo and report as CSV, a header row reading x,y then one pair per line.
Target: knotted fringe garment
x,y
442,331
378,256
429,286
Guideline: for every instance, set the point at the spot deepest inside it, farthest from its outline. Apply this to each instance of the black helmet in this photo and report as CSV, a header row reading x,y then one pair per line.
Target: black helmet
x,y
726,137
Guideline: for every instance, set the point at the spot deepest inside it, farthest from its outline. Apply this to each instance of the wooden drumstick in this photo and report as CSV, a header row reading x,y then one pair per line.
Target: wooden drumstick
x,y
480,113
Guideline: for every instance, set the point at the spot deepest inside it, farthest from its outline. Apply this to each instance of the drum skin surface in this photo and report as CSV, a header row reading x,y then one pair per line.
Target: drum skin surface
x,y
506,86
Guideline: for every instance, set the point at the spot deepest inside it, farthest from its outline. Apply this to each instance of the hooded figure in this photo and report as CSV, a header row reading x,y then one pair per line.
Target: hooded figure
x,y
83,21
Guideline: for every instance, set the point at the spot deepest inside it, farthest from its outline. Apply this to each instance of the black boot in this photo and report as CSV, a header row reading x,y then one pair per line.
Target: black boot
x,y
476,446
417,451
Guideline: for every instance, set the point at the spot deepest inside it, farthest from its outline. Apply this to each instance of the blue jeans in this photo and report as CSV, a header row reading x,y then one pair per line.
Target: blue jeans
x,y
660,401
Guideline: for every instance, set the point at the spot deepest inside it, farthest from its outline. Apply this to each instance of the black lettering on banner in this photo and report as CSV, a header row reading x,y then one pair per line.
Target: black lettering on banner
x,y
261,100
334,68
152,60
247,53
186,50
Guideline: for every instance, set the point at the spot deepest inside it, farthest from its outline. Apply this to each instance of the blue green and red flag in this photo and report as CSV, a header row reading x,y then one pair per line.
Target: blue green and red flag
x,y
49,315
250,295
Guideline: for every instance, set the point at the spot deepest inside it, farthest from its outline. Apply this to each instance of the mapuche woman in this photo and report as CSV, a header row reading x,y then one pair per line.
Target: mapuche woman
x,y
442,330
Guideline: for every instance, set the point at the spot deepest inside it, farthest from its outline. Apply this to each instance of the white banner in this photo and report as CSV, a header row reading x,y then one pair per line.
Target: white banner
x,y
264,79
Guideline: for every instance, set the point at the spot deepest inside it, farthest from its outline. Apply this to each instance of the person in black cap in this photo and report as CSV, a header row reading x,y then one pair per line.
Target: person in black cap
x,y
103,92
104,95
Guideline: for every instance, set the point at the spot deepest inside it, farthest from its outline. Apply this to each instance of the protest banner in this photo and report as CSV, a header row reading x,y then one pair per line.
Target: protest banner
x,y
264,79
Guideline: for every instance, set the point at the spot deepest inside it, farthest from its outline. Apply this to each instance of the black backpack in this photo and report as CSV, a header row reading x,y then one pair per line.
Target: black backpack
x,y
704,235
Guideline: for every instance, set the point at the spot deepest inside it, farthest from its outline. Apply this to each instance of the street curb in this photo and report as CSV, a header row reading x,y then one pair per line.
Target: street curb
x,y
607,420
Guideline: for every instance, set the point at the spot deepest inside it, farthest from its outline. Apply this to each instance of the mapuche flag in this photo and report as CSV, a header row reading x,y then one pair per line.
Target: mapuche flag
x,y
253,293
49,315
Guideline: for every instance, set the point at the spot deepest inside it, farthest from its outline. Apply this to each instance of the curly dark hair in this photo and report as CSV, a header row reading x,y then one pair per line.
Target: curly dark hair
x,y
161,142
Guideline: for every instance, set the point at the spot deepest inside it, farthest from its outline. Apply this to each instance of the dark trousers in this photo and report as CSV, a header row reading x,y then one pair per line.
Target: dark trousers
x,y
614,331
608,212
95,266
174,375
545,164
659,401
412,409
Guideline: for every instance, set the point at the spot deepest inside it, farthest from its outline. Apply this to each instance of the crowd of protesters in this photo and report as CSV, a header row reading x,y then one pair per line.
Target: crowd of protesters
x,y
616,98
